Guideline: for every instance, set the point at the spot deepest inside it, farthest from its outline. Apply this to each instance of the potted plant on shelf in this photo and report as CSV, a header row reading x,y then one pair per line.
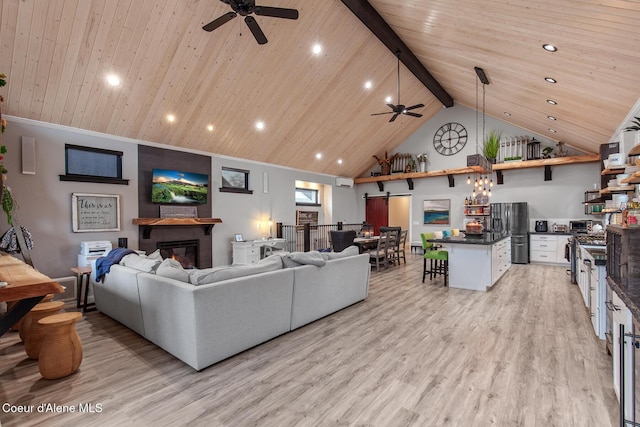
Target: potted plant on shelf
x,y
492,145
422,161
546,152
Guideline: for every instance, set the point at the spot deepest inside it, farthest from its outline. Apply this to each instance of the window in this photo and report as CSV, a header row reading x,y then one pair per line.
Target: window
x,y
307,197
87,164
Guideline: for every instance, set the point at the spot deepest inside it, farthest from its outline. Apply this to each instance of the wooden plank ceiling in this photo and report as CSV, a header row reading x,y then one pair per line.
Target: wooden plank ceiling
x,y
57,53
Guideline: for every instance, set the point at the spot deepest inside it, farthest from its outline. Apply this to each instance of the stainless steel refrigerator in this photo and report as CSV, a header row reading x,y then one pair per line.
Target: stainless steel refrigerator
x,y
513,217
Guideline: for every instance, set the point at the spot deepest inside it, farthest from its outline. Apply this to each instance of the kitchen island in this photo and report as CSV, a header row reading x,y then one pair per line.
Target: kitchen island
x,y
476,262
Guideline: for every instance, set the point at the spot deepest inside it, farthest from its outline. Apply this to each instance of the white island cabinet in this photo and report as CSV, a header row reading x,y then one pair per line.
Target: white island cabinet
x,y
477,263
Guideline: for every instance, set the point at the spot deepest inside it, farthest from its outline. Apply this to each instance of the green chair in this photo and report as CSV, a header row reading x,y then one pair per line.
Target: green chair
x,y
439,259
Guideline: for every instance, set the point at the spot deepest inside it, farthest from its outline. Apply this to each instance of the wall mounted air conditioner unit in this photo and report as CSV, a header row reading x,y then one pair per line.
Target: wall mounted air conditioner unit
x,y
344,182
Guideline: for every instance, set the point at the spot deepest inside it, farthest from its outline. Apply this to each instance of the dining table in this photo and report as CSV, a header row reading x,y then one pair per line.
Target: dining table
x,y
366,243
24,286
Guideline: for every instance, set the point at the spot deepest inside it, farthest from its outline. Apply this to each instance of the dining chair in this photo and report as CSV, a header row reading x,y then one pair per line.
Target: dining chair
x,y
394,240
399,249
439,259
379,255
341,239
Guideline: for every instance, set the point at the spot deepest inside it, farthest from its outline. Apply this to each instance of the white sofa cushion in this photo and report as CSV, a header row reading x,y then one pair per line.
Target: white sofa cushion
x,y
141,263
295,259
172,269
217,274
350,251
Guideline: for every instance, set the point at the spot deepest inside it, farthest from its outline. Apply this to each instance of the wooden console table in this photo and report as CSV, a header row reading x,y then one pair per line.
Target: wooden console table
x,y
148,223
25,285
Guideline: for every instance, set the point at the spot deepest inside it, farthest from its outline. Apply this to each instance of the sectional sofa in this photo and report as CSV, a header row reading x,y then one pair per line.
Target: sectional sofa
x,y
204,316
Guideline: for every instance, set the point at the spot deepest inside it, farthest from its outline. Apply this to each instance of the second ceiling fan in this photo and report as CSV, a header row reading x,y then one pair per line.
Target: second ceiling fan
x,y
398,109
246,8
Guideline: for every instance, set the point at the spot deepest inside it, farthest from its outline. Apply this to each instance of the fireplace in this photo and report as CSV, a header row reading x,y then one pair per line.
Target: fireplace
x,y
183,251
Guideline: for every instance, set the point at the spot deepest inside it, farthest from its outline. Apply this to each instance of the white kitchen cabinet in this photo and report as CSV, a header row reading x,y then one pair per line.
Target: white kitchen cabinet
x,y
500,259
548,248
622,316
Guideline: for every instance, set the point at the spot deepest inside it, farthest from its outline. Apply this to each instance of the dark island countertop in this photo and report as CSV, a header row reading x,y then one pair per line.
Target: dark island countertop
x,y
480,239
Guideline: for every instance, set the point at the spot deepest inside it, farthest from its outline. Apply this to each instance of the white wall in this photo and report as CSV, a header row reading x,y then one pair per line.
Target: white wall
x,y
45,201
558,199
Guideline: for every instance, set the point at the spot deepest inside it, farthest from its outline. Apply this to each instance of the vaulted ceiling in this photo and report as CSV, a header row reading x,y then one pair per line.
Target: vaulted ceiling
x,y
57,54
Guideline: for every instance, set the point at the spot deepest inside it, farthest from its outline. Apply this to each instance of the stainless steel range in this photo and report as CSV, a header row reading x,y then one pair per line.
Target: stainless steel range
x,y
585,240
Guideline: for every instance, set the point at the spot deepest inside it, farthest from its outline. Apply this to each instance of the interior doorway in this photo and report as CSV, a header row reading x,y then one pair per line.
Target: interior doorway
x,y
389,210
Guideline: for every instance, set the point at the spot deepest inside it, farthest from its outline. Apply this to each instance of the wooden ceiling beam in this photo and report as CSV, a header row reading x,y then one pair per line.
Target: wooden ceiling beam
x,y
379,27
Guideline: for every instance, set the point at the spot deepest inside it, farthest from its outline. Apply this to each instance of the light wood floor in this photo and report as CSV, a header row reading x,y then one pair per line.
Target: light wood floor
x,y
523,354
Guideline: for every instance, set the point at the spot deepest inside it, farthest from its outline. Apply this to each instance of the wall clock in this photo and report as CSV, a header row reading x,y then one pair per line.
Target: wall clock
x,y
450,139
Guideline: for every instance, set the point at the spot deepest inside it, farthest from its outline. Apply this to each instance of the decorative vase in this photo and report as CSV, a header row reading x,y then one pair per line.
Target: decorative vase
x,y
423,166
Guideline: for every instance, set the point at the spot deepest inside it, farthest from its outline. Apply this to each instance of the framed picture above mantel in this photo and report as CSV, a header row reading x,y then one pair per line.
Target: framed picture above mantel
x,y
235,181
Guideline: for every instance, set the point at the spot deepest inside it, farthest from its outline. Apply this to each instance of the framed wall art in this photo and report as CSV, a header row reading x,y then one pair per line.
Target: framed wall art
x,y
437,211
95,212
235,181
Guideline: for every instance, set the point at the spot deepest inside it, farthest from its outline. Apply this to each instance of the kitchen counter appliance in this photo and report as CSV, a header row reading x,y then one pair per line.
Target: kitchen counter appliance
x,y
584,240
542,226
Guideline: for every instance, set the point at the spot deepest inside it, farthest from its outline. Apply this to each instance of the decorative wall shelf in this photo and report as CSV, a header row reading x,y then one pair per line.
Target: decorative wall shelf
x,y
546,163
148,223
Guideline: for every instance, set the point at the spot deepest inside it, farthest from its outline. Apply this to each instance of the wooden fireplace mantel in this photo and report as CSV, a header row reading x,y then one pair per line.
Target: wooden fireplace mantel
x,y
148,223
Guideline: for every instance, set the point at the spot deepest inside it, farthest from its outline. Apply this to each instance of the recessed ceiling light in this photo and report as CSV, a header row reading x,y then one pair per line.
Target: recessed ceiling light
x,y
316,49
552,130
552,102
260,125
551,118
388,99
550,80
368,84
210,128
508,114
171,118
549,47
339,161
113,80
318,156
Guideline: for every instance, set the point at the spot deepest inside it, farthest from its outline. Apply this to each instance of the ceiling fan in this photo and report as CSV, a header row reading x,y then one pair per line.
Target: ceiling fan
x,y
246,8
399,108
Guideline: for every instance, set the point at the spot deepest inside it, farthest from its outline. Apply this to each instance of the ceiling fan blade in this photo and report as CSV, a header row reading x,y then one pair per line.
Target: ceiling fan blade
x,y
413,107
219,21
276,12
379,114
395,116
412,114
255,30
393,107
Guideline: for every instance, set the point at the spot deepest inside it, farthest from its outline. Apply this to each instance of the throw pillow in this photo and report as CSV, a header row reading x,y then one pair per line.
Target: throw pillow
x,y
455,232
350,251
446,233
305,258
437,235
155,255
142,263
217,274
173,270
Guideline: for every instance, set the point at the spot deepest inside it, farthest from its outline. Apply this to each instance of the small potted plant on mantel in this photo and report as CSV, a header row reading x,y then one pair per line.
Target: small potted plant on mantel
x,y
422,161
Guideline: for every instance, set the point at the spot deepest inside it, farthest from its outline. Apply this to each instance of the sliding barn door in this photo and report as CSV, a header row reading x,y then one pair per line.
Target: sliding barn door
x,y
377,213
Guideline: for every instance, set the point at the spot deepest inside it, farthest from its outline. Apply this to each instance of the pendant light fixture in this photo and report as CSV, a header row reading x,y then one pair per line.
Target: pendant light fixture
x,y
480,165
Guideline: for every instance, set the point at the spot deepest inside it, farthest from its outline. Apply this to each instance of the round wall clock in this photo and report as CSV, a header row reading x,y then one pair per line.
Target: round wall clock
x,y
450,139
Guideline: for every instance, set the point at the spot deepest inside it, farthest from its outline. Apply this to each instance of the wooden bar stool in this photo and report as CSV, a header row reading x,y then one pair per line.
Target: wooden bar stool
x,y
61,350
16,326
30,331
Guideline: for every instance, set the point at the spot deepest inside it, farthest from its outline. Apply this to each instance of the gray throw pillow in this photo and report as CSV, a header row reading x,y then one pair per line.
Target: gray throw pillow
x,y
172,269
347,252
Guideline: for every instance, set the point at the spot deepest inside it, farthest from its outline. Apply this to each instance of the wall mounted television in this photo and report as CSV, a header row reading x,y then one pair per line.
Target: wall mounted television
x,y
176,187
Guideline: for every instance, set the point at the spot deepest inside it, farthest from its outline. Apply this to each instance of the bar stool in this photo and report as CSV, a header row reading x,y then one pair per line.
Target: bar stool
x,y
439,259
16,326
30,330
61,350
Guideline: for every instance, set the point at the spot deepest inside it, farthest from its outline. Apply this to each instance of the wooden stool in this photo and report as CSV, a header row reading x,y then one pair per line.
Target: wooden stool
x,y
61,350
16,326
30,331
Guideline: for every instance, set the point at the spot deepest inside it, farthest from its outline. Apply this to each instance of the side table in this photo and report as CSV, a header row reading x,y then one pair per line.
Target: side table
x,y
84,277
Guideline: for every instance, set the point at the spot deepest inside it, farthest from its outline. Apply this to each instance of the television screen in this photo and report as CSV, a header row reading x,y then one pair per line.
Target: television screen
x,y
171,186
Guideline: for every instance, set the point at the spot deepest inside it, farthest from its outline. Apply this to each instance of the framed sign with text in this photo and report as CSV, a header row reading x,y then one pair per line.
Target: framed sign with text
x,y
95,212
